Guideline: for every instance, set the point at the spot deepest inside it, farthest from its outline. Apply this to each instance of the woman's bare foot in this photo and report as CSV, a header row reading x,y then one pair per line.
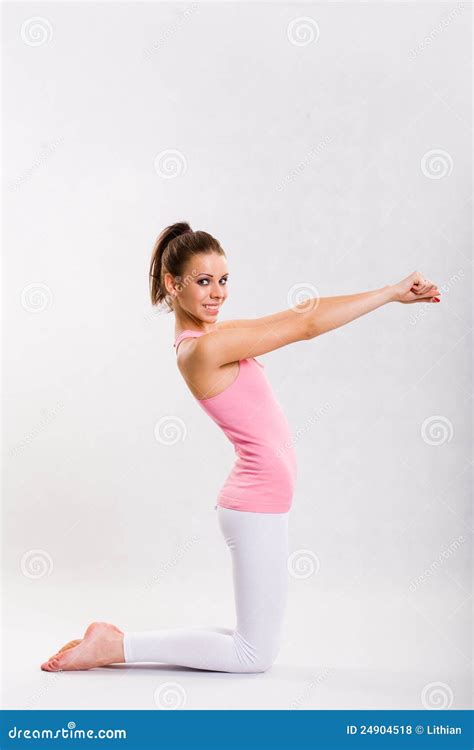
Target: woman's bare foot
x,y
102,644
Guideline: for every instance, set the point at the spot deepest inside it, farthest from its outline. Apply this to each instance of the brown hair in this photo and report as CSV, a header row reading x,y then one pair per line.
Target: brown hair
x,y
173,249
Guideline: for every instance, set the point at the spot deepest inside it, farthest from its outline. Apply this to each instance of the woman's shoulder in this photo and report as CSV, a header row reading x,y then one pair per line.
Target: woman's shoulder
x,y
186,347
203,377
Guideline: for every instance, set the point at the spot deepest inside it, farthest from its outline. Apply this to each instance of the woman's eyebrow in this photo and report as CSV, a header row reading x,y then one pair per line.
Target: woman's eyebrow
x,y
210,274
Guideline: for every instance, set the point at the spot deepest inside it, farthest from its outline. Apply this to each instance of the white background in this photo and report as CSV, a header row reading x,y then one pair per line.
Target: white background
x,y
308,158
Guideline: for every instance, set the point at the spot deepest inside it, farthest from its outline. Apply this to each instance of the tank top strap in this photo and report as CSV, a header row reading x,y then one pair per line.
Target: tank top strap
x,y
186,335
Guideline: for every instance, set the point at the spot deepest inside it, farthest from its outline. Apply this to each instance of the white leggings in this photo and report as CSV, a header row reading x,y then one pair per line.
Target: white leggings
x,y
258,544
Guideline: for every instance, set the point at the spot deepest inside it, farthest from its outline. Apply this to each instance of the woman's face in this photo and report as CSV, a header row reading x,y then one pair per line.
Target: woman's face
x,y
203,287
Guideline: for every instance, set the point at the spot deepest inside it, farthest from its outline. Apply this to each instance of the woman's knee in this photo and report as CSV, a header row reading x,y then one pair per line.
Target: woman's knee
x,y
260,663
259,658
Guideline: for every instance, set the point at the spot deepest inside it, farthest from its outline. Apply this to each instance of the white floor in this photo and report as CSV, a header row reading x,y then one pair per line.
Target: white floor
x,y
340,652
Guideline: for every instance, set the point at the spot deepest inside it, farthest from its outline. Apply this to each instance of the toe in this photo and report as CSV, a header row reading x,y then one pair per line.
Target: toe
x,y
47,666
66,647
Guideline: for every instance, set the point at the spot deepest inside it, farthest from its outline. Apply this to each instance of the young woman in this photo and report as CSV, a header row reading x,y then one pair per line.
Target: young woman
x,y
188,272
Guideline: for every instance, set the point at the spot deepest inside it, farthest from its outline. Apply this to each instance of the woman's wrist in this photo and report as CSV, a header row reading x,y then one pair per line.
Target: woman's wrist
x,y
390,293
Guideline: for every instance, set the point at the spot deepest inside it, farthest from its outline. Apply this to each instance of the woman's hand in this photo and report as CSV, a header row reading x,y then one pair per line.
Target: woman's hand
x,y
415,288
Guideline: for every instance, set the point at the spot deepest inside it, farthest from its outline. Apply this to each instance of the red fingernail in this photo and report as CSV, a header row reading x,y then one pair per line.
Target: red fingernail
x,y
436,299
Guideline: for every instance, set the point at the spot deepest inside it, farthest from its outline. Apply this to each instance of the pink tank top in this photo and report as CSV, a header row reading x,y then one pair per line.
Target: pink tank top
x,y
263,476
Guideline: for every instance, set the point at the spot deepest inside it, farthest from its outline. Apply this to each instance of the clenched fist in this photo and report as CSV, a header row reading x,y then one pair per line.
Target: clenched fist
x,y
415,288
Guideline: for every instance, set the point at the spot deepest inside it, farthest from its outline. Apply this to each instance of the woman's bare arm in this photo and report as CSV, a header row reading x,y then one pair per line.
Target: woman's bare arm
x,y
273,319
333,306
252,338
307,320
333,312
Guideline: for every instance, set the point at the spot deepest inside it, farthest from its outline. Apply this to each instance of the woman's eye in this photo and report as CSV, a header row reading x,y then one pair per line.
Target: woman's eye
x,y
199,282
